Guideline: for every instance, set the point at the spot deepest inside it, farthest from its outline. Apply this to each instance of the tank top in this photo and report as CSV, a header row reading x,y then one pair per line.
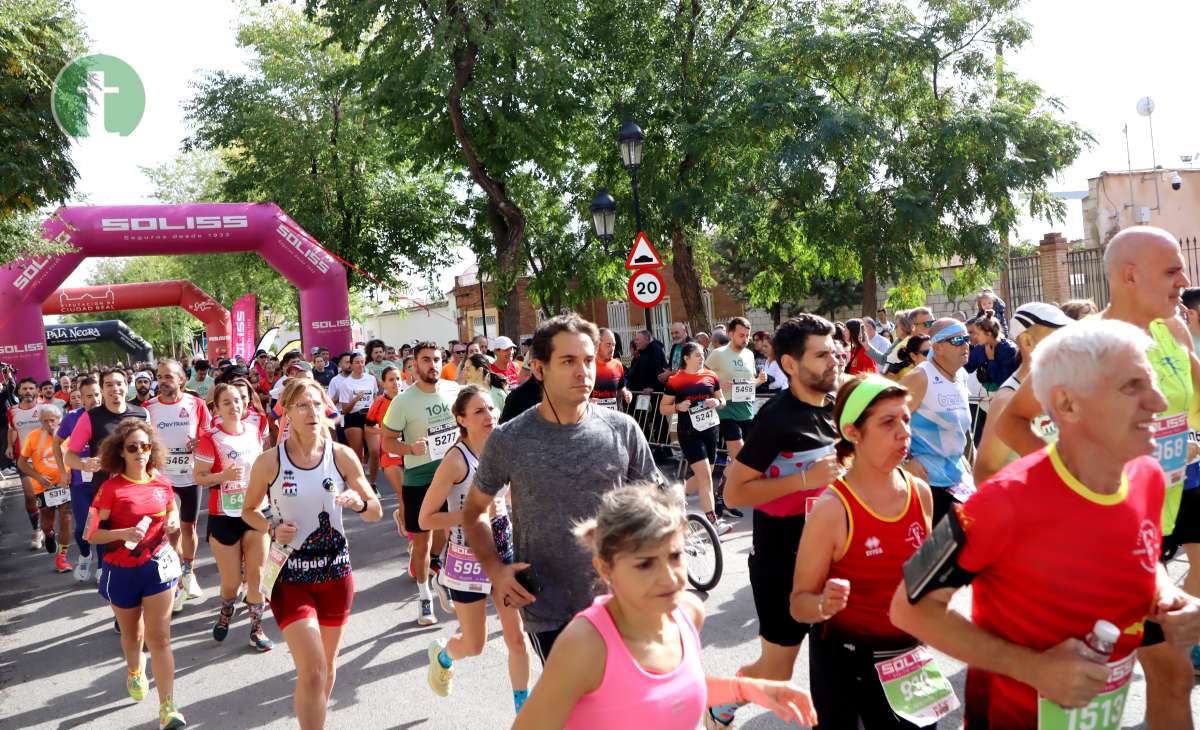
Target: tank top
x,y
873,561
674,700
940,426
24,421
320,552
222,450
457,499
1042,426
1172,369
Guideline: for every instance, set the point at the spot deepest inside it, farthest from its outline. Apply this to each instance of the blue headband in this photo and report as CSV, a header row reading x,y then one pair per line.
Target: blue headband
x,y
953,330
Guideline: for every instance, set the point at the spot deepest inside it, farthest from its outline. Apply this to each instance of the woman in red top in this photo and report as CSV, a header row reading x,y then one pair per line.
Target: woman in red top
x,y
136,508
694,392
860,359
858,535
390,377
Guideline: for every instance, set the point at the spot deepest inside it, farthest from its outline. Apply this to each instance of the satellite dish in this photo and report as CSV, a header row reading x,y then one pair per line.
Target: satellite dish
x,y
1145,106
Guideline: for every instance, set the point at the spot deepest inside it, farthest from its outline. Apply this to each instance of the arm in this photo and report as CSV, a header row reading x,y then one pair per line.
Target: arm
x,y
814,598
204,475
992,453
745,487
264,471
575,667
59,460
917,384
1176,611
102,536
666,406
359,491
393,443
1012,421
449,472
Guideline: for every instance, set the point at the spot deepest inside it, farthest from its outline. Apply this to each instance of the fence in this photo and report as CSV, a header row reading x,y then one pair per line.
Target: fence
x,y
1089,280
1024,280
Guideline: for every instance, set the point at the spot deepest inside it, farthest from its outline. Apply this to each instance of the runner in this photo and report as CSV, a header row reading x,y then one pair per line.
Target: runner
x,y
353,395
309,480
81,482
377,360
51,483
632,658
694,393
372,432
1146,276
392,465
504,366
941,417
734,365
479,373
135,507
180,418
788,461
420,426
476,415
142,382
458,353
22,421
1039,589
857,537
610,390
199,384
224,457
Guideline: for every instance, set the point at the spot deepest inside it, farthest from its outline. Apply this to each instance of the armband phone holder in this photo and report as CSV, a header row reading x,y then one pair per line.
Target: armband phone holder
x,y
935,564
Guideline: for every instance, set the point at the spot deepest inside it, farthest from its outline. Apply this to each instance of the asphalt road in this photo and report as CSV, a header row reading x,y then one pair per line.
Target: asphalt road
x,y
60,662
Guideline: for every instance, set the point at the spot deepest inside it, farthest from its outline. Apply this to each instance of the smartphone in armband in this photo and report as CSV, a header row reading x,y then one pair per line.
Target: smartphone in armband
x,y
935,564
530,580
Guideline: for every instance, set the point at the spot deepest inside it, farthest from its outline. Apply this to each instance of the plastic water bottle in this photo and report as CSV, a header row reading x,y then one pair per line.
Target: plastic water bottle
x,y
1099,644
143,523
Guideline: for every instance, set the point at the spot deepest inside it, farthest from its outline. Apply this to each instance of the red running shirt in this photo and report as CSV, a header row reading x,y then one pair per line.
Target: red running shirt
x,y
128,502
1052,557
220,450
375,416
610,378
873,561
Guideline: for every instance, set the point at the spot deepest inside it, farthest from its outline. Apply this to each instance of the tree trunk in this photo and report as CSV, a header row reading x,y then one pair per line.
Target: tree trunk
x,y
683,265
777,314
870,284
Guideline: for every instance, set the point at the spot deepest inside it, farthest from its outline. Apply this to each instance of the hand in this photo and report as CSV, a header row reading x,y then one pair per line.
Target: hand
x,y
1179,615
662,377
132,534
1067,679
712,402
234,473
191,444
1193,451
629,396
285,532
64,482
822,472
358,397
647,391
92,463
172,523
834,598
785,699
507,589
351,499
420,447
762,377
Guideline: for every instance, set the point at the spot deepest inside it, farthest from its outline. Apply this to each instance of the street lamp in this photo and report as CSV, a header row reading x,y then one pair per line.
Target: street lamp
x,y
604,217
631,139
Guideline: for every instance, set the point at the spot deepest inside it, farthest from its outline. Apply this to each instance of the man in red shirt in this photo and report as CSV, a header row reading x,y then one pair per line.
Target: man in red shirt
x,y
505,365
1056,541
609,390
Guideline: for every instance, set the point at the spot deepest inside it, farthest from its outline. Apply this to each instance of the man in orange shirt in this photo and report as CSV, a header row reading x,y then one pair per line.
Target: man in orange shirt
x,y
458,351
50,485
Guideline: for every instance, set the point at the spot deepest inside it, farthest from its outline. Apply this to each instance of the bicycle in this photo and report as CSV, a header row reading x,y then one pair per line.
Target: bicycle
x,y
702,550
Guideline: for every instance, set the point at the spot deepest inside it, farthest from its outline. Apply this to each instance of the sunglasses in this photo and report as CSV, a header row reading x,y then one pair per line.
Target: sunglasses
x,y
143,447
926,323
923,353
460,352
958,341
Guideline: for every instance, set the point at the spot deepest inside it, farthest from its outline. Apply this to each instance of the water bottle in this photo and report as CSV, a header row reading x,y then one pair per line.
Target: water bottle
x,y
1099,644
143,523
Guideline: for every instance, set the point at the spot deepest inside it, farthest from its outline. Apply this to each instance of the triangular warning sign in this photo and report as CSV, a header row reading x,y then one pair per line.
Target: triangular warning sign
x,y
643,255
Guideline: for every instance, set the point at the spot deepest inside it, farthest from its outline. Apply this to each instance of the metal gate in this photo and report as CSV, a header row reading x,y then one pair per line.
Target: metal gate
x,y
1024,280
1088,277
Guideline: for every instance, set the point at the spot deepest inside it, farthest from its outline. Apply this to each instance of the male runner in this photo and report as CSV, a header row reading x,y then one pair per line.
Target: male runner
x,y
179,419
734,365
200,383
141,387
787,462
376,362
609,390
81,482
1145,276
558,459
22,421
1056,541
504,365
420,426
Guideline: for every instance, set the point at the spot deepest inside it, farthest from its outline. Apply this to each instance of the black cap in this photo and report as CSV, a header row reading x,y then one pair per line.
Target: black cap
x,y
224,363
201,364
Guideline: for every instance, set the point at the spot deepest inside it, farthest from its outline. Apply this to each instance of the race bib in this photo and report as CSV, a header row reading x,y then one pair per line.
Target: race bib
x,y
1170,446
742,391
964,489
642,403
168,565
440,439
364,403
233,496
56,496
276,558
462,572
1105,710
610,403
916,689
703,417
179,462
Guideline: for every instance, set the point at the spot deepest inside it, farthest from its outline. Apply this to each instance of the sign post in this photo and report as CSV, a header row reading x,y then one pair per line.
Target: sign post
x,y
646,287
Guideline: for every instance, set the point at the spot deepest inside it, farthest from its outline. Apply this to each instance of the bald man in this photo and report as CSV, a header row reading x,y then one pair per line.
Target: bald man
x,y
1145,278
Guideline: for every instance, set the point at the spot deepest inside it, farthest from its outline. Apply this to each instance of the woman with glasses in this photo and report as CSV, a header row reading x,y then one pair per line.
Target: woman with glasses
x,y
941,417
132,515
309,479
915,351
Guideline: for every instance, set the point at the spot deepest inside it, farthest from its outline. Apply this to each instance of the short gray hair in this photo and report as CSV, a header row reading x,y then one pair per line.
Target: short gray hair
x,y
1074,356
45,408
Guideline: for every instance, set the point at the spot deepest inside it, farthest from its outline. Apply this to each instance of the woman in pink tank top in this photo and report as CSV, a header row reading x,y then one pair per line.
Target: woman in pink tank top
x,y
634,654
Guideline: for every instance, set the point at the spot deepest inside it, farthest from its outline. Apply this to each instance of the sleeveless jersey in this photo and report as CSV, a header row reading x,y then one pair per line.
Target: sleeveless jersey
x,y
673,700
940,425
873,561
320,552
1172,369
457,499
221,450
177,423
24,421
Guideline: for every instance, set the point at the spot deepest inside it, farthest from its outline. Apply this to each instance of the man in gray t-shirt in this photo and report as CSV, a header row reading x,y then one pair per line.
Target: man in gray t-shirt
x,y
558,459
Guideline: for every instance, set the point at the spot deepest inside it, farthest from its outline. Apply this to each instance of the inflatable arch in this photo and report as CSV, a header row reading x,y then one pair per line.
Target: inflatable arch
x,y
148,295
147,230
104,330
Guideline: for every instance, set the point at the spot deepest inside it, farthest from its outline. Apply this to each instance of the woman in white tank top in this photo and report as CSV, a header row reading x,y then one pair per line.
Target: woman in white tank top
x,y
308,480
462,575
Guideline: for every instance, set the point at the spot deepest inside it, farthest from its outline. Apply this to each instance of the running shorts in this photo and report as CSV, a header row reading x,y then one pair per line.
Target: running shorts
x,y
413,497
835,664
699,445
356,420
329,602
227,530
772,565
1187,523
732,430
189,502
126,587
502,534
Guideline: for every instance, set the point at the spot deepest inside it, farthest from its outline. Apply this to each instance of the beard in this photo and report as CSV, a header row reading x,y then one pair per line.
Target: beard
x,y
429,376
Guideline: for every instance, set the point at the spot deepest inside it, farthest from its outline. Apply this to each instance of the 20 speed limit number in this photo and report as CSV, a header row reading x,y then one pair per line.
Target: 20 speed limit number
x,y
646,288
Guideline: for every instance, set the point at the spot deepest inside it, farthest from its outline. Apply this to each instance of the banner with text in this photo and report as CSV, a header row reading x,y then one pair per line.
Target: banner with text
x,y
243,318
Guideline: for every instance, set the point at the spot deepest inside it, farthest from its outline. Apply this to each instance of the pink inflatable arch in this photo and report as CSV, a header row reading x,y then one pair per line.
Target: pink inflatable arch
x,y
195,228
147,295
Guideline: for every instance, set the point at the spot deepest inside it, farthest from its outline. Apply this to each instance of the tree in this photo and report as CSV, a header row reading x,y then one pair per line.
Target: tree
x,y
37,39
299,131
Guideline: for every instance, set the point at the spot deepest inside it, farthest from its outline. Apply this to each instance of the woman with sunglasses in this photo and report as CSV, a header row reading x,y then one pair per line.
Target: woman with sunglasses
x,y
132,515
223,459
941,417
309,479
914,352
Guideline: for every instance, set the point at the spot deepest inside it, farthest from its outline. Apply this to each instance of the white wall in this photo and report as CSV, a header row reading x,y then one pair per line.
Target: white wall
x,y
406,325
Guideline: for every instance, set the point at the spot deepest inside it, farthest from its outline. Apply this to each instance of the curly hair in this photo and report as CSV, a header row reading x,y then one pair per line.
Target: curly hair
x,y
112,449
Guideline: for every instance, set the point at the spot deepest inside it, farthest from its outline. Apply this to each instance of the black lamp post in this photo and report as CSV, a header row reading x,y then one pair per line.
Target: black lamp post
x,y
604,217
631,139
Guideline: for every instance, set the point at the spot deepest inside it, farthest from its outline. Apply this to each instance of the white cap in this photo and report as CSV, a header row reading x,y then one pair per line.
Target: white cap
x,y
1031,313
502,343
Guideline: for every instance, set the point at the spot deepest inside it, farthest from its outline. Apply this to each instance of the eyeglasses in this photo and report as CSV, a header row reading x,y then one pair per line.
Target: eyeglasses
x,y
305,406
958,341
143,447
460,352
926,323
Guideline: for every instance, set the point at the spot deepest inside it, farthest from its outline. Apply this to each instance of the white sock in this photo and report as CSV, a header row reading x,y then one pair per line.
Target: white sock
x,y
425,591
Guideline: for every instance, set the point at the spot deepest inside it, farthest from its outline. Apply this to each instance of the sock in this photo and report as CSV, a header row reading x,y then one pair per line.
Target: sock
x,y
712,517
227,606
51,543
519,697
256,612
444,659
34,519
424,589
186,565
725,713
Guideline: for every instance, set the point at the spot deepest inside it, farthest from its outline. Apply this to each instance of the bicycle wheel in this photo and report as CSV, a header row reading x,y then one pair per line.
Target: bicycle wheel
x,y
702,549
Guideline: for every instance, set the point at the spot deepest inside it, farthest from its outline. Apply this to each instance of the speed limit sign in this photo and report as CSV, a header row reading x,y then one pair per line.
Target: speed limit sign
x,y
646,288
